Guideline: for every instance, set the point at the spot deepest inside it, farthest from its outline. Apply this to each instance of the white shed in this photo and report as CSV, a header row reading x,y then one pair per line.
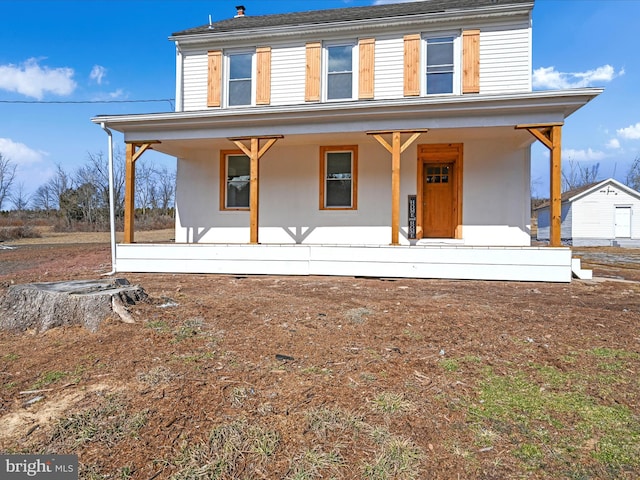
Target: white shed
x,y
601,214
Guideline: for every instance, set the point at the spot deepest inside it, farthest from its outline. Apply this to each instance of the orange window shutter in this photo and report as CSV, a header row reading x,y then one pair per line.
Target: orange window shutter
x,y
471,61
312,84
263,86
214,79
366,74
412,65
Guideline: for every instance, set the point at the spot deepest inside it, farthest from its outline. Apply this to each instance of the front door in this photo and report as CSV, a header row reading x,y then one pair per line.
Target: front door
x,y
623,222
439,190
438,200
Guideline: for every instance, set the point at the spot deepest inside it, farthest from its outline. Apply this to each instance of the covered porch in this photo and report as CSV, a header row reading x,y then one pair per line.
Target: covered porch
x,y
394,127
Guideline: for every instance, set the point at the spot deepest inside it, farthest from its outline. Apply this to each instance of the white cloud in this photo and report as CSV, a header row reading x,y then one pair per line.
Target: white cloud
x,y
32,80
119,93
98,73
614,144
19,153
587,155
631,132
550,78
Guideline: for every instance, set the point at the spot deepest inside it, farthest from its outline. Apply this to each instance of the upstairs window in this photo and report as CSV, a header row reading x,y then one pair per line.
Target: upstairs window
x,y
338,177
340,81
235,172
240,85
439,65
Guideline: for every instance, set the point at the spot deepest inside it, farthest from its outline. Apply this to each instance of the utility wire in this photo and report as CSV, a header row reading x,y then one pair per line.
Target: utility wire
x,y
87,102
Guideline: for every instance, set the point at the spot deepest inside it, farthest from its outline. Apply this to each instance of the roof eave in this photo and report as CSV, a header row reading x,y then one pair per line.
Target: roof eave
x,y
461,111
618,184
258,33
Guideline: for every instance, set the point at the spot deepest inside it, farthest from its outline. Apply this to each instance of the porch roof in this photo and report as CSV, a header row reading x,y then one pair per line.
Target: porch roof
x,y
468,111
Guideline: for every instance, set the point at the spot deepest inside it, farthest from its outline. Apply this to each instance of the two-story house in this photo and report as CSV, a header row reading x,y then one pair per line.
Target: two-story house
x,y
389,140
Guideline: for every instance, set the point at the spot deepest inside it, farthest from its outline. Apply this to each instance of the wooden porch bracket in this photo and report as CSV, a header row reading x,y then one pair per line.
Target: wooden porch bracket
x,y
396,148
133,153
254,152
550,135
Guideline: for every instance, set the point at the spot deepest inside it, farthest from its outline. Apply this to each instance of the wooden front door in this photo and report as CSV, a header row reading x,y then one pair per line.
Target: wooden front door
x,y
440,190
437,208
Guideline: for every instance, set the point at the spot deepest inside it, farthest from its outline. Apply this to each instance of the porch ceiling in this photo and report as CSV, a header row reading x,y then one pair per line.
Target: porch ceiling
x,y
183,148
477,114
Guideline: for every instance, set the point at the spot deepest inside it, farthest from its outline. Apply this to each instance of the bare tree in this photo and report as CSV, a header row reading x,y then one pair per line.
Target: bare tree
x,y
145,185
100,166
7,177
633,174
166,187
575,175
44,199
20,198
59,184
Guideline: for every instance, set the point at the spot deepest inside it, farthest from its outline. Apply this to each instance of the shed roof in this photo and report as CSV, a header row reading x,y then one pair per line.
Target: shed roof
x,y
318,17
579,192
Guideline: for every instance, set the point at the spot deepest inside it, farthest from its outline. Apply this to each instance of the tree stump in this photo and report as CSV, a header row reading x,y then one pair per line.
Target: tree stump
x,y
41,306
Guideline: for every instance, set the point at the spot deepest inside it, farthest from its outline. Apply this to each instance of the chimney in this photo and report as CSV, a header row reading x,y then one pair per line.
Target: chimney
x,y
241,10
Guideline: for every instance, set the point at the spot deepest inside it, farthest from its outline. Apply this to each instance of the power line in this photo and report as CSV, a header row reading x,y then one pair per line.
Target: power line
x,y
85,102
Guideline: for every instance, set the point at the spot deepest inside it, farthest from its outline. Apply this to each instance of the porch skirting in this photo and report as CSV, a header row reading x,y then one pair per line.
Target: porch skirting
x,y
539,264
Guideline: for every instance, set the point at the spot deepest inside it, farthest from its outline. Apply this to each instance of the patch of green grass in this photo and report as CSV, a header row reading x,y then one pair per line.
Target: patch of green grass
x,y
156,376
315,370
11,357
160,326
413,335
603,352
391,403
314,463
47,378
526,412
228,450
107,423
188,329
368,377
397,458
449,364
9,385
323,421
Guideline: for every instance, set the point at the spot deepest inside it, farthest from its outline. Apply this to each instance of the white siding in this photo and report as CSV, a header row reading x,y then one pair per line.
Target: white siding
x,y
594,214
288,74
505,59
195,81
389,65
495,197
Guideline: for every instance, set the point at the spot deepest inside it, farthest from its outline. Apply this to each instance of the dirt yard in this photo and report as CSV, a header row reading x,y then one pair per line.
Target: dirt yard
x,y
317,377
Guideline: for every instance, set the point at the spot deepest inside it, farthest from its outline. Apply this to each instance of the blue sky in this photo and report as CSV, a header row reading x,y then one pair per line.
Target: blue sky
x,y
117,50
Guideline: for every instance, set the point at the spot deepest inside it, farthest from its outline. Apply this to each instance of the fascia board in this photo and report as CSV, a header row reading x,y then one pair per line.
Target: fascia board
x,y
439,113
613,181
378,24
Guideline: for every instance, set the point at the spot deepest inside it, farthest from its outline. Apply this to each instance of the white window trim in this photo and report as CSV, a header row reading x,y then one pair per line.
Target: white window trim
x,y
355,65
457,62
227,75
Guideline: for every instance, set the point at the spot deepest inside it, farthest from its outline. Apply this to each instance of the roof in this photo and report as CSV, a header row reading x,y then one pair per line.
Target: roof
x,y
319,17
579,192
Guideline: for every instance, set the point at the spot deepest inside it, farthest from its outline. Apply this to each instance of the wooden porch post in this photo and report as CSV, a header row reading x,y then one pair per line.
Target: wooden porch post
x,y
550,135
254,152
133,152
396,148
